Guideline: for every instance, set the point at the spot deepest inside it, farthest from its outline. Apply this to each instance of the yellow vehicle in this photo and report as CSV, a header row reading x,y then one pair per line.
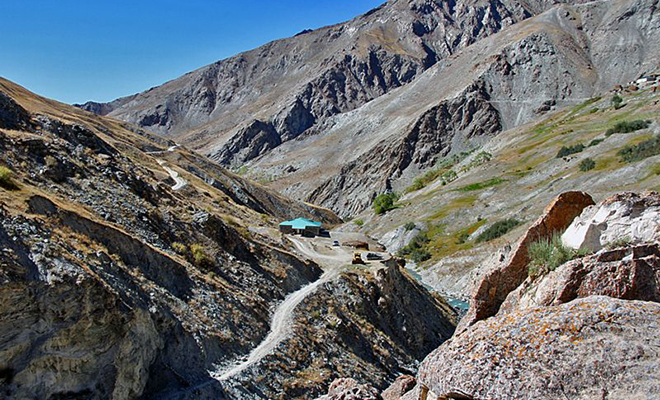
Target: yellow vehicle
x,y
357,258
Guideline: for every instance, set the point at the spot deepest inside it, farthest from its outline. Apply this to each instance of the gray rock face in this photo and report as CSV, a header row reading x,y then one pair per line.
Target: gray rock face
x,y
624,217
591,348
349,389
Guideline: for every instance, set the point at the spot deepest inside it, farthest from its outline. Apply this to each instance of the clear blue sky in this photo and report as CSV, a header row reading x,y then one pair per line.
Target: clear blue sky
x,y
74,50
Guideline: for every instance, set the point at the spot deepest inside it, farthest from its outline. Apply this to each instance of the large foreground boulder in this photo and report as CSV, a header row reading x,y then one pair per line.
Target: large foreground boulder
x,y
592,348
624,217
349,389
502,278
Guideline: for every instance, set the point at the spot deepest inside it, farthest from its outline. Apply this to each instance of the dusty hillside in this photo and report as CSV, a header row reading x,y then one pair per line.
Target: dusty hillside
x,y
514,176
132,268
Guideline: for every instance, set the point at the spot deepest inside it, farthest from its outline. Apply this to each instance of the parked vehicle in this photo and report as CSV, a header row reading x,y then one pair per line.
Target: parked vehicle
x,y
374,256
335,243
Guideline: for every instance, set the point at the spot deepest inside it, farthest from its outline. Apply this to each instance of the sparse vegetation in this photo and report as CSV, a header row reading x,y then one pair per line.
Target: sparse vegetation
x,y
409,226
462,238
385,202
482,185
498,229
6,179
628,126
587,165
618,243
645,149
179,247
199,256
616,101
595,142
480,159
415,249
549,253
568,150
358,222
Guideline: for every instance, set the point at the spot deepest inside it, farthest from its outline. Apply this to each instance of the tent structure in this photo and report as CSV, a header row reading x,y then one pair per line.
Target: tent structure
x,y
301,226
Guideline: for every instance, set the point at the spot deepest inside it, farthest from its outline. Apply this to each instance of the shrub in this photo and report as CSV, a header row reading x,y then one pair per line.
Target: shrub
x,y
549,253
358,222
645,149
618,243
628,126
200,256
595,142
179,247
420,255
498,229
567,151
415,248
616,101
385,202
409,226
6,179
482,185
462,238
587,165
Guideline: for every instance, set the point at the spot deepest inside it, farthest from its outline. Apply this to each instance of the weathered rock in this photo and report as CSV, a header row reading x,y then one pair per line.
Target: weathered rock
x,y
630,273
401,386
12,115
591,348
492,288
349,389
623,217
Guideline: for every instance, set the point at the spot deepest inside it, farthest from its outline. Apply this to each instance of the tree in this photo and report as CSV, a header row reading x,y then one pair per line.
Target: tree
x,y
385,202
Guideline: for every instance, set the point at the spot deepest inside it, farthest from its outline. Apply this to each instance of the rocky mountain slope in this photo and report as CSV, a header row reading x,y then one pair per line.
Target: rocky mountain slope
x,y
513,177
580,328
131,268
343,113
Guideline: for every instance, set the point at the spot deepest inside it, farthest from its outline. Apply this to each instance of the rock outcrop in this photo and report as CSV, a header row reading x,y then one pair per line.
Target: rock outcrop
x,y
497,281
349,389
592,348
624,217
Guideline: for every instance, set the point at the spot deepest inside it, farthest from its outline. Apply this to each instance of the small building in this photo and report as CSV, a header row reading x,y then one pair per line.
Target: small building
x,y
301,226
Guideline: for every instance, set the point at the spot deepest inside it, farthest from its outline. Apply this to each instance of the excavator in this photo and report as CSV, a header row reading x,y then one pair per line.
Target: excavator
x,y
357,258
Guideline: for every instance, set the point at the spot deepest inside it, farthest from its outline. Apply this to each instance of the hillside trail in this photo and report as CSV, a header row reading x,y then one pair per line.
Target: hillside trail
x,y
179,182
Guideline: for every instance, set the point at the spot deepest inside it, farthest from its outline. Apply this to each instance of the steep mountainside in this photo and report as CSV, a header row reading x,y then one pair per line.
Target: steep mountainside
x,y
442,77
131,268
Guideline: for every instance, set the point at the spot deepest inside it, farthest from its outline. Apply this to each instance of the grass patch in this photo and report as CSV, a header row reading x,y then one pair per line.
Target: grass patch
x,y
587,165
618,243
568,150
638,152
627,127
549,253
462,202
498,229
415,250
7,179
199,255
481,185
358,222
179,248
595,142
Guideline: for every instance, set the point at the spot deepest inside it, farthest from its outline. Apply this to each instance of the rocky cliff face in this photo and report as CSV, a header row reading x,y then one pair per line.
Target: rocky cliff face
x,y
117,282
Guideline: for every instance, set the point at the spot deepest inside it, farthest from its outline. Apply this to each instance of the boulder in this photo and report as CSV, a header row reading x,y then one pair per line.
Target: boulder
x,y
502,278
623,217
349,389
631,273
591,348
401,386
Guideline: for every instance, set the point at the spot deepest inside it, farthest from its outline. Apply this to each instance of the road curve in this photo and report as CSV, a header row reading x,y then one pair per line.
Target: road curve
x,y
179,182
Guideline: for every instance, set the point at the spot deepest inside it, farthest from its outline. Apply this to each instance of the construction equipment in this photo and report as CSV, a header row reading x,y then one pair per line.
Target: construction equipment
x,y
357,258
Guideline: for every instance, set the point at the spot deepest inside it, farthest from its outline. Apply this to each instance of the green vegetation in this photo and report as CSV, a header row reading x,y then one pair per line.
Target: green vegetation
x,y
409,226
385,202
462,238
415,249
549,253
628,126
587,165
200,256
645,149
179,247
358,222
616,101
498,229
442,170
480,159
482,185
595,142
568,150
621,242
6,179
243,170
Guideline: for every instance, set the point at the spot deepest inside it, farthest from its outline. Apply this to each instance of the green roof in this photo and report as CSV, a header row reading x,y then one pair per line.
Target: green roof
x,y
301,223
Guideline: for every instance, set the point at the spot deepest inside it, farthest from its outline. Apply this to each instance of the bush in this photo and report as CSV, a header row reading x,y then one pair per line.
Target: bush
x,y
6,179
567,151
358,222
616,101
462,238
409,226
628,126
415,249
595,142
587,165
549,253
385,202
498,229
645,149
420,255
179,247
200,256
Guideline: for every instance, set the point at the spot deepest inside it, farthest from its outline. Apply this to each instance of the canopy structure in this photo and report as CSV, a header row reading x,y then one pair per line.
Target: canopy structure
x,y
302,226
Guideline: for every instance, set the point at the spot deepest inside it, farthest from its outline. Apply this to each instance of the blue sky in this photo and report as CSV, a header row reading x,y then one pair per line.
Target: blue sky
x,y
74,50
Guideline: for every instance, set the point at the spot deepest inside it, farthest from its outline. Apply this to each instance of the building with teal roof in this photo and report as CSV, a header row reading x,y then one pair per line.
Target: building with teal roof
x,y
301,226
